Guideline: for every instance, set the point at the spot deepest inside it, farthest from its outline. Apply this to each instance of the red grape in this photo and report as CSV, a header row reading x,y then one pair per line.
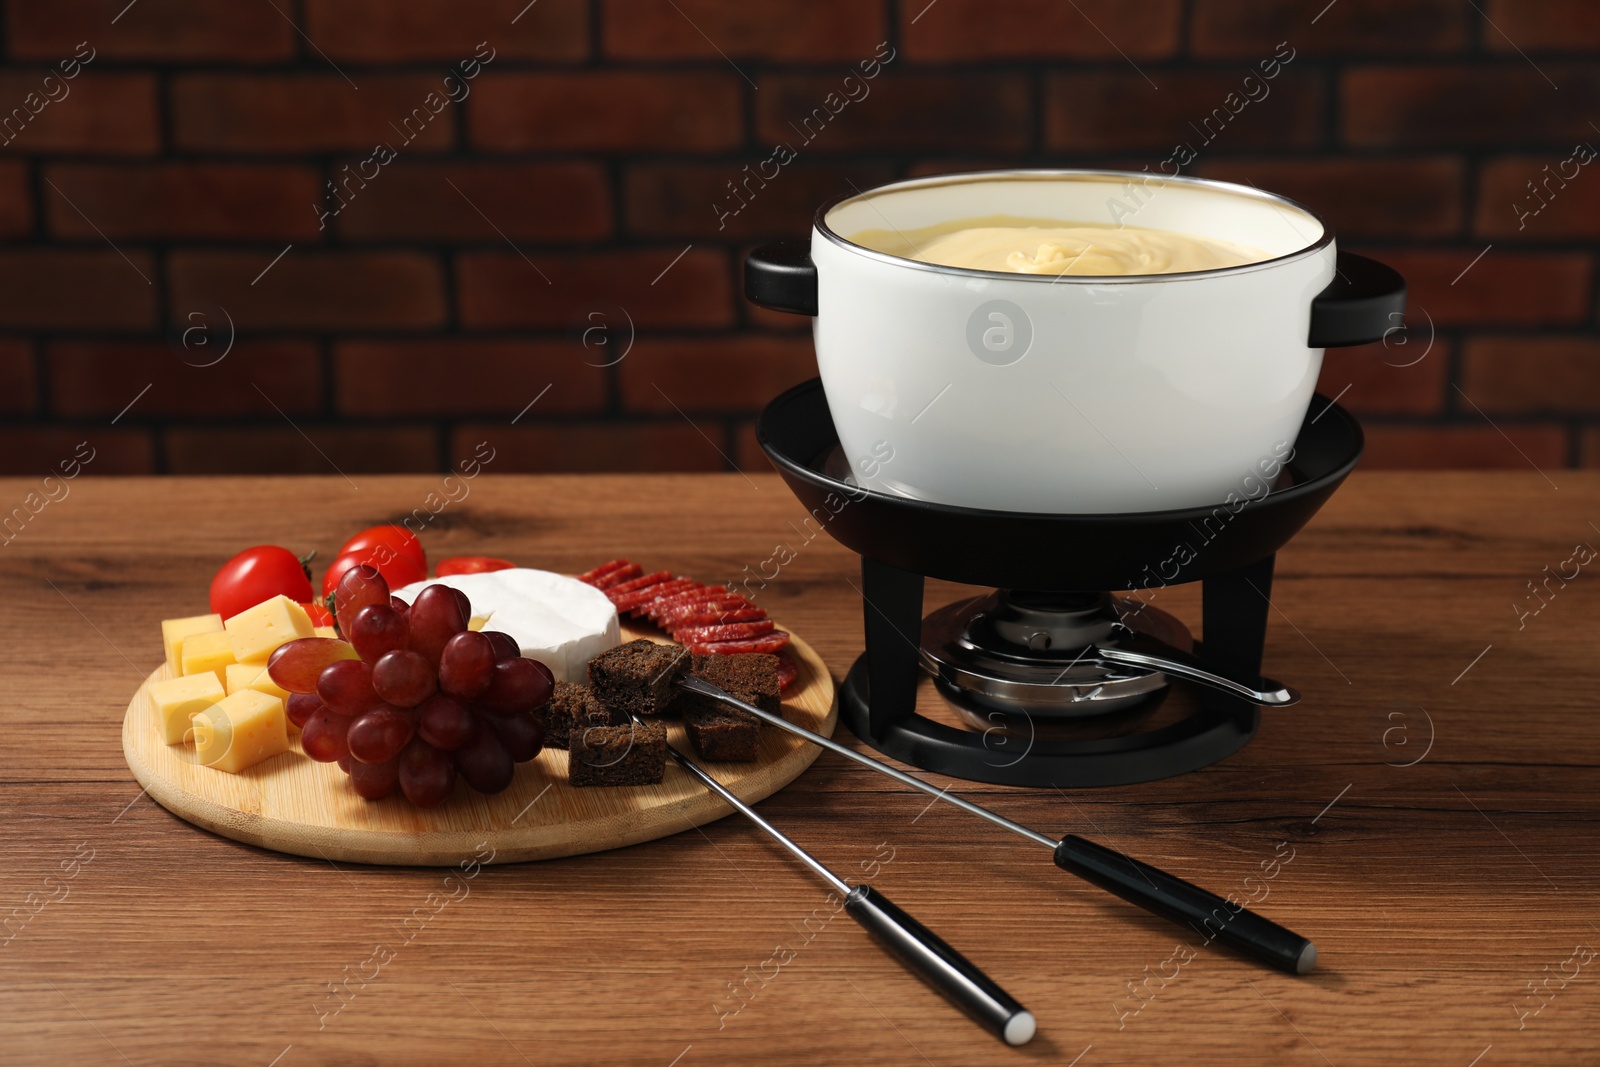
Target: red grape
x,y
403,678
376,629
435,617
444,722
517,685
380,734
296,665
346,687
465,665
359,587
483,761
345,763
323,737
505,646
374,781
399,605
462,602
520,732
301,706
426,775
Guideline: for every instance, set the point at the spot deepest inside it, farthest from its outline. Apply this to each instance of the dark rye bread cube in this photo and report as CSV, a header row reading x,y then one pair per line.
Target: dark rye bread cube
x,y
571,706
637,678
634,753
721,733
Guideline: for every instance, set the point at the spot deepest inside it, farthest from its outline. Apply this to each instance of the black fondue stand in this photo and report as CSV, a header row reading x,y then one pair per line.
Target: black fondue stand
x,y
901,541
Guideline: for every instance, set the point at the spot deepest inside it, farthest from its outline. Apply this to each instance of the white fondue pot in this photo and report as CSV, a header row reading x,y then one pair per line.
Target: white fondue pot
x,y
1073,394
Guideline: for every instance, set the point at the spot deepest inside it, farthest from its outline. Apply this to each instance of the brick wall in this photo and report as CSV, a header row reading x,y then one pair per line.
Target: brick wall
x,y
161,204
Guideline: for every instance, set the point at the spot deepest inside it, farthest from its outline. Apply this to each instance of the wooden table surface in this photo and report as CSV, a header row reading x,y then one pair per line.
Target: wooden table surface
x,y
1432,803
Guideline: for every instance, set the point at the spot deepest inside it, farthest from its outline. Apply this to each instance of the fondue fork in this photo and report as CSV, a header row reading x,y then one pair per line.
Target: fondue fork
x,y
1137,882
919,948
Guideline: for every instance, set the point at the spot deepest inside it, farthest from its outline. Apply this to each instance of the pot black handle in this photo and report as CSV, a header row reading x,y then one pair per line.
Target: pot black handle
x,y
782,277
1365,300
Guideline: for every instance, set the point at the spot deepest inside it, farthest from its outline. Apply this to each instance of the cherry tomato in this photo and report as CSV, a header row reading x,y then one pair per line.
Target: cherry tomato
x,y
472,565
389,540
318,612
255,575
397,570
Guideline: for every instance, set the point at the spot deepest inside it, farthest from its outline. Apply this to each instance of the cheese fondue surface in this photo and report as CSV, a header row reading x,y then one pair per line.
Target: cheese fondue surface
x,y
1036,246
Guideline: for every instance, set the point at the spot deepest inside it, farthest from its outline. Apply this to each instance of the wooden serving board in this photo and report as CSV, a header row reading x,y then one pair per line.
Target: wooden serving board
x,y
293,804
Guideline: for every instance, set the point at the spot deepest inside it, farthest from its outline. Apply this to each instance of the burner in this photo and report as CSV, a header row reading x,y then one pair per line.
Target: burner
x,y
1037,653
1052,656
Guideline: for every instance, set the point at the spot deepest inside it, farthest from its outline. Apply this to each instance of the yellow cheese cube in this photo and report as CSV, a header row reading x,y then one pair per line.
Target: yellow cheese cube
x,y
237,676
240,730
324,631
178,700
173,631
207,652
257,632
477,622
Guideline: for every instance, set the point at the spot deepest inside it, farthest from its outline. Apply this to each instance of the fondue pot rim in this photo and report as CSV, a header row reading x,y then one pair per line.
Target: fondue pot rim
x,y
1037,174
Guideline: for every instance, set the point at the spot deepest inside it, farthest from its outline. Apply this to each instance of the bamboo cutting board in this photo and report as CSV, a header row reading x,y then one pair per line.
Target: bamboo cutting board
x,y
293,804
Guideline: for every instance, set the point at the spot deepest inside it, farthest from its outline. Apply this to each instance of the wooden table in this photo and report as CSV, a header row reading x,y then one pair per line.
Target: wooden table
x,y
1436,790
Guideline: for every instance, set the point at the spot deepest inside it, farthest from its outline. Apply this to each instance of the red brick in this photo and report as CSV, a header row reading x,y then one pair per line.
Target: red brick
x,y
489,202
1253,28
35,451
504,290
1474,446
257,113
312,289
379,31
1376,198
1562,209
1523,375
284,449
629,111
968,30
91,379
16,202
167,201
1390,379
61,289
693,199
1589,447
899,111
1118,109
1493,106
723,374
461,377
1505,287
761,29
106,114
672,445
1548,26
173,30
19,389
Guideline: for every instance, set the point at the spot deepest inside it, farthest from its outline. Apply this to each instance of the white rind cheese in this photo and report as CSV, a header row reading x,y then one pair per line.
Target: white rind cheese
x,y
559,621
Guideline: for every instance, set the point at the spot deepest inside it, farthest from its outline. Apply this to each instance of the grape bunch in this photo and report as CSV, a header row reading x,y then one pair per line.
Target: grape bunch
x,y
426,700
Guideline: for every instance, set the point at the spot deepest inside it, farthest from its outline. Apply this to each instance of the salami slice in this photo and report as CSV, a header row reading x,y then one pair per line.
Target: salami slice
x,y
601,573
771,642
635,600
787,671
667,619
701,592
653,578
733,631
718,617
620,575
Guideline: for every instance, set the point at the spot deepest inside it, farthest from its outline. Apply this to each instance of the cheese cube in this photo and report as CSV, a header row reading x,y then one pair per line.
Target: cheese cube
x,y
207,652
324,631
477,622
257,632
237,676
240,730
173,631
179,700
